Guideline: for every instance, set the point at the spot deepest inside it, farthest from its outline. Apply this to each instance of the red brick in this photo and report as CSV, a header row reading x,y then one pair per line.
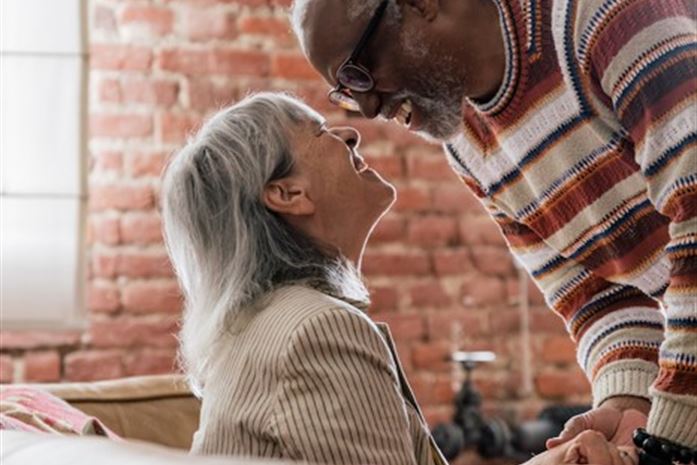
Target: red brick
x,y
144,265
455,198
93,365
389,229
390,167
433,356
157,92
151,362
483,290
430,167
121,197
156,19
103,18
201,24
429,294
110,91
453,325
294,67
433,389
24,340
412,199
103,264
479,230
127,331
152,297
141,228
383,299
105,229
435,415
121,126
120,57
107,162
403,327
493,260
103,297
42,367
396,264
453,261
207,94
505,320
240,63
558,349
176,127
535,296
543,320
561,384
216,61
141,164
273,27
431,231
7,369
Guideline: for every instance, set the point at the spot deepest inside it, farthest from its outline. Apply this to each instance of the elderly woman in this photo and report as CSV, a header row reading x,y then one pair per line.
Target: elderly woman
x,y
266,214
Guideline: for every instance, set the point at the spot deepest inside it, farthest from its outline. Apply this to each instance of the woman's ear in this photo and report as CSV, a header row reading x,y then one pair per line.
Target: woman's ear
x,y
288,196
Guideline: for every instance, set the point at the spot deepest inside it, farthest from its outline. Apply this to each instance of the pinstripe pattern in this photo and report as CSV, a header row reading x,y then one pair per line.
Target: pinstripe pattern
x,y
589,166
311,378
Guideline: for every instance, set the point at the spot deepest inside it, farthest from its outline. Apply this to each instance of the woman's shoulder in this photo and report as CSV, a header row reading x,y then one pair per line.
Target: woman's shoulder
x,y
295,307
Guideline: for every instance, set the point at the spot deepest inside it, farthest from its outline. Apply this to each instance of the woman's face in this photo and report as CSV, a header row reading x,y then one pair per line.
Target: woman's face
x,y
347,196
589,447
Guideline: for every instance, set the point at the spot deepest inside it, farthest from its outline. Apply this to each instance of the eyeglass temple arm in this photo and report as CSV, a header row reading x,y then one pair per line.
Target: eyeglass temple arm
x,y
369,30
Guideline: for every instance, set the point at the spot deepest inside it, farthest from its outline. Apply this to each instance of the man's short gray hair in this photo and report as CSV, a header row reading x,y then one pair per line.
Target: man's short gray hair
x,y
354,10
227,248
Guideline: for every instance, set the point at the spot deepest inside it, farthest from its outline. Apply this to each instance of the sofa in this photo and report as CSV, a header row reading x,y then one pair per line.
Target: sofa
x,y
156,415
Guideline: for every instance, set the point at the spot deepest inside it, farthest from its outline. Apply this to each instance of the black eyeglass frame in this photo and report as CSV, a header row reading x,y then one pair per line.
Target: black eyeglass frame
x,y
338,94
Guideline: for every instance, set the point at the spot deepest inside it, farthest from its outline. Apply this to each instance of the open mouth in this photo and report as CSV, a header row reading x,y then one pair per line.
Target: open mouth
x,y
405,113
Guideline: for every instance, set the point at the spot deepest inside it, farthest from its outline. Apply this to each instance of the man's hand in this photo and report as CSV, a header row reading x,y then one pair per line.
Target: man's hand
x,y
616,419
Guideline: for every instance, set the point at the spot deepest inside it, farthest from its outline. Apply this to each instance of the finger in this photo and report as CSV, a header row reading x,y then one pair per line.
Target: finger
x,y
572,428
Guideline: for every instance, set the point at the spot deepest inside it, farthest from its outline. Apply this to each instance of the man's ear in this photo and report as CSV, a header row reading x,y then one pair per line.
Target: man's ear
x,y
288,196
428,9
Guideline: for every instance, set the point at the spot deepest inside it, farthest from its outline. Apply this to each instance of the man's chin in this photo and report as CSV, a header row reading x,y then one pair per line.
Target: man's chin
x,y
439,134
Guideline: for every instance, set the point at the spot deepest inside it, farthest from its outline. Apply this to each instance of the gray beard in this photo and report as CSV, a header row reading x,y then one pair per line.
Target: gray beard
x,y
439,103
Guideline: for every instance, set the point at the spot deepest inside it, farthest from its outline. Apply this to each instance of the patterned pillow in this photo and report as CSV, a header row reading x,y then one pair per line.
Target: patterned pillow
x,y
29,409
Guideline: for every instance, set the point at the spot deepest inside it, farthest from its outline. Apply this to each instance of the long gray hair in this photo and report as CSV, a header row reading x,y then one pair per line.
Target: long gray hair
x,y
227,248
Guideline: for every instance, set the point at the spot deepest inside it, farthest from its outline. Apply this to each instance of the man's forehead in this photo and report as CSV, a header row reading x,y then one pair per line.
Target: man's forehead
x,y
329,34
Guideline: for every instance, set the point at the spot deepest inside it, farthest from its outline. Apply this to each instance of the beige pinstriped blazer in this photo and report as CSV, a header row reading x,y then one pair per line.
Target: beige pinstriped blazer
x,y
311,378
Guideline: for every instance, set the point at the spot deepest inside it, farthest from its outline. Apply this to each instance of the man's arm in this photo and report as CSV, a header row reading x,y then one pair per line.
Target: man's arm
x,y
643,55
617,329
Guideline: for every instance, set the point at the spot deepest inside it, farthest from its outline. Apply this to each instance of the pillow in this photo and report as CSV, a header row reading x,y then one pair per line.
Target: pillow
x,y
30,409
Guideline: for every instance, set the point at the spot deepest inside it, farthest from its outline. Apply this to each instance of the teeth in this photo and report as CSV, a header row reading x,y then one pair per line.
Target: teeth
x,y
403,115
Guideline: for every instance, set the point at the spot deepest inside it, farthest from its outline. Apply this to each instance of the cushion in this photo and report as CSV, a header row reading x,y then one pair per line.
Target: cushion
x,y
39,410
159,408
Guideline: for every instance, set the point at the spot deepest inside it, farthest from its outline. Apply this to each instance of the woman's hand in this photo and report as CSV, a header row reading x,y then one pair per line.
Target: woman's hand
x,y
616,419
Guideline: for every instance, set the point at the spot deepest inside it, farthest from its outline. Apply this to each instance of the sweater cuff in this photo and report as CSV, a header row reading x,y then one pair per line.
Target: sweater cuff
x,y
674,418
624,378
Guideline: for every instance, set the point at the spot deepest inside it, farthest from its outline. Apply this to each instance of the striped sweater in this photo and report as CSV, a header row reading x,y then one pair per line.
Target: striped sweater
x,y
587,159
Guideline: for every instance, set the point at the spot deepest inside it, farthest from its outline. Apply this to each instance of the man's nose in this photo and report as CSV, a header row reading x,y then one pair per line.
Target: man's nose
x,y
369,103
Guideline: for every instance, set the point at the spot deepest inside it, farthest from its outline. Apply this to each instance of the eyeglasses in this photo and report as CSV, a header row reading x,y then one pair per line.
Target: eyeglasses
x,y
352,77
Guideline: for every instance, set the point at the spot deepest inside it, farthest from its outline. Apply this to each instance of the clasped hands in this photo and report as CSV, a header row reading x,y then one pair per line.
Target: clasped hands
x,y
615,419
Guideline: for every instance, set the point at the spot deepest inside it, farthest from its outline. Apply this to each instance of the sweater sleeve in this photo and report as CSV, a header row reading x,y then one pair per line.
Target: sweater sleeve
x,y
339,400
617,329
643,55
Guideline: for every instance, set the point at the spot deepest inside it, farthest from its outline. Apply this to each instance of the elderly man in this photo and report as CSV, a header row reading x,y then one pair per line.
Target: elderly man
x,y
574,122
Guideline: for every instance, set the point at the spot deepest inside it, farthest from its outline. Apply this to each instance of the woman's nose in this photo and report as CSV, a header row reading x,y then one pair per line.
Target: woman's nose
x,y
349,135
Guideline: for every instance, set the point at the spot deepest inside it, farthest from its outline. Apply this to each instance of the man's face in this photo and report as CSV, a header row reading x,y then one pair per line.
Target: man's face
x,y
415,80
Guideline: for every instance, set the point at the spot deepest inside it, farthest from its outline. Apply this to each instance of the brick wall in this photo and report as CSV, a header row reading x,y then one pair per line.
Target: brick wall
x,y
436,264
